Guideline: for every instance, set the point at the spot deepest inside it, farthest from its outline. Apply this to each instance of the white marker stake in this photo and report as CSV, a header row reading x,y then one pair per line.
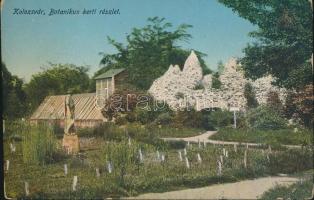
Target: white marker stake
x,y
245,158
65,169
224,151
269,149
162,158
235,147
187,163
219,173
222,159
199,159
26,188
12,147
226,154
141,155
97,172
129,141
74,183
158,155
7,165
185,153
180,155
109,168
199,144
204,144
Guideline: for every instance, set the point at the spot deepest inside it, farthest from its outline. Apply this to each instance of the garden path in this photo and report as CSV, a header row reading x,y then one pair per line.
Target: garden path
x,y
247,189
205,138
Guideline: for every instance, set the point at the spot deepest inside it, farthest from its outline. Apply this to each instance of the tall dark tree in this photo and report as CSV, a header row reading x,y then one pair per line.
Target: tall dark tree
x,y
249,94
57,79
284,40
13,95
149,52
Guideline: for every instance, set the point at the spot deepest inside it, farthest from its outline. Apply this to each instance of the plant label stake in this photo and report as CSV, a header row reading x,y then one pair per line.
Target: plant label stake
x,y
187,163
235,147
199,159
245,159
226,154
109,167
219,173
129,141
221,159
97,172
65,169
158,155
204,144
224,151
180,155
141,155
26,188
7,165
12,147
74,183
269,149
162,157
185,153
199,144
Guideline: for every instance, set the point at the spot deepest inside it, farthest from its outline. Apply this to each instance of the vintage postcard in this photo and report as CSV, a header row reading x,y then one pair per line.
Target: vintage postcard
x,y
137,99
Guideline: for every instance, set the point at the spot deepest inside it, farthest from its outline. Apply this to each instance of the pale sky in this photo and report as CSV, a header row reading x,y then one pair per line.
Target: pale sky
x,y
29,42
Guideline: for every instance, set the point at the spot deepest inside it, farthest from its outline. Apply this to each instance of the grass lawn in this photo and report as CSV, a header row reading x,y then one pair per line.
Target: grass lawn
x,y
166,131
284,136
131,177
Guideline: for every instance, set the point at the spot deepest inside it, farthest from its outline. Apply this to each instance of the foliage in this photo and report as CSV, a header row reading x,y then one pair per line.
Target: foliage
x,y
151,175
39,144
199,86
13,95
220,118
249,94
179,95
283,40
265,118
149,52
57,79
220,67
299,190
216,83
303,101
282,136
274,102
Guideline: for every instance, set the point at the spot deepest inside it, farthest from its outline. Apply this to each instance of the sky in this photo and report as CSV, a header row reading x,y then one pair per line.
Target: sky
x,y
30,42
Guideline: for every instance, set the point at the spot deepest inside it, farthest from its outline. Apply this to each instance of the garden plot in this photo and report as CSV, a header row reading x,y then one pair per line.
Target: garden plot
x,y
119,169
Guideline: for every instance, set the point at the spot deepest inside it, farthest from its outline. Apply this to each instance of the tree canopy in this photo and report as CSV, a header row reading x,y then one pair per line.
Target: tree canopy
x,y
57,79
13,95
149,52
284,41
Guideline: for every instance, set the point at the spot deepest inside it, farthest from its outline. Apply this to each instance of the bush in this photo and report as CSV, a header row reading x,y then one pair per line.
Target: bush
x,y
176,144
39,144
164,119
265,118
249,94
220,118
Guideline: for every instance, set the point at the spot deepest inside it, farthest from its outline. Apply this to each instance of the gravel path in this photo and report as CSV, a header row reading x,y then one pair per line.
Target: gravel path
x,y
205,138
247,189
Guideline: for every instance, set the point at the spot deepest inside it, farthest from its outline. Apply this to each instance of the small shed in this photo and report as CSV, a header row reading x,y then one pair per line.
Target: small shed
x,y
107,82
